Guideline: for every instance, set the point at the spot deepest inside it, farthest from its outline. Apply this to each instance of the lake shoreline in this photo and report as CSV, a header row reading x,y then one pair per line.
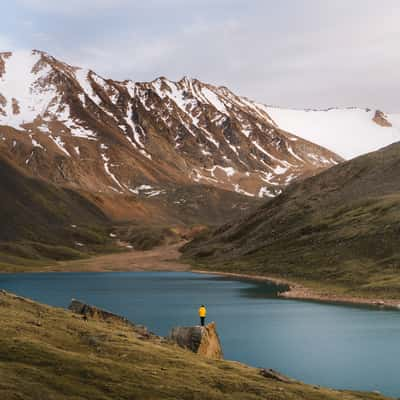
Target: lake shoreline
x,y
59,340
297,291
168,258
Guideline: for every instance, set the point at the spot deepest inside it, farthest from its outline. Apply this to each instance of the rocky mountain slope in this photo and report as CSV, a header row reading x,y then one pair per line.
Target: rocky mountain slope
x,y
337,229
72,127
349,132
50,353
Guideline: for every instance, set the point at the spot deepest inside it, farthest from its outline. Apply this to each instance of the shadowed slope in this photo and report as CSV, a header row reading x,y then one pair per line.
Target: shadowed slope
x,y
42,220
341,227
29,203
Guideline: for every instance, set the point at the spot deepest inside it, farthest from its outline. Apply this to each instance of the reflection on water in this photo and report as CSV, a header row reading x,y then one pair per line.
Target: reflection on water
x,y
263,290
325,344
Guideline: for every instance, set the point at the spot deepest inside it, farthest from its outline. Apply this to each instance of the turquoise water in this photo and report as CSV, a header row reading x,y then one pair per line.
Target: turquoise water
x,y
330,345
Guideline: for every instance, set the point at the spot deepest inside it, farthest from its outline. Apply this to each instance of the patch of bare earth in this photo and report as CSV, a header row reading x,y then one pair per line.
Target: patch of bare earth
x,y
163,258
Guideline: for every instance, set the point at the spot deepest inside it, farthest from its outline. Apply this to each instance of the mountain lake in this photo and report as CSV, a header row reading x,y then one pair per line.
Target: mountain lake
x,y
344,347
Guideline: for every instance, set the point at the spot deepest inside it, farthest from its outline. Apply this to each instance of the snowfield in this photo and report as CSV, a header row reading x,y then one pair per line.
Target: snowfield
x,y
22,95
348,132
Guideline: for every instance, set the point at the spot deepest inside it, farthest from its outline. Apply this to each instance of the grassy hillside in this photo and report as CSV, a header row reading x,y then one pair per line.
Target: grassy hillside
x,y
339,229
48,353
41,221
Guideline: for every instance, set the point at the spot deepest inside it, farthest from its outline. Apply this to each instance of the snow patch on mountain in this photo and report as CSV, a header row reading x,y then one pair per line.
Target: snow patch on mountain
x,y
349,132
22,88
238,189
147,190
108,172
214,100
60,144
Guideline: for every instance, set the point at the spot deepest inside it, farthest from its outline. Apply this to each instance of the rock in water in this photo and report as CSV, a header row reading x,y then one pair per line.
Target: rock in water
x,y
202,340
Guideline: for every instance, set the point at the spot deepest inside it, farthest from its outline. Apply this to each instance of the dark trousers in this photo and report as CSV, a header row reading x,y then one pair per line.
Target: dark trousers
x,y
202,319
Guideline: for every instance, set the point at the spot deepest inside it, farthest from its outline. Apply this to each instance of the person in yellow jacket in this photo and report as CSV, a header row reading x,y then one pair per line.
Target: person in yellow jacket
x,y
202,314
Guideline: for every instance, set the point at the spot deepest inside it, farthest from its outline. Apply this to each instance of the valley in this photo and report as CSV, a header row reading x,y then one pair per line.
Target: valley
x,y
199,200
99,176
93,166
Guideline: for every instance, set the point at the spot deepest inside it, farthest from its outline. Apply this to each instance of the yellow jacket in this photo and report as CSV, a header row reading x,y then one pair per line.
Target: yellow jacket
x,y
202,312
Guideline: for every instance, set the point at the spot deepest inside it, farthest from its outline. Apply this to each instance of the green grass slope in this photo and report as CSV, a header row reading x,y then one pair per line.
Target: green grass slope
x,y
340,229
48,353
41,221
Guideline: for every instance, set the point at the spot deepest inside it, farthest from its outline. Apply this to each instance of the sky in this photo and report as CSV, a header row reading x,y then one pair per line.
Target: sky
x,y
289,53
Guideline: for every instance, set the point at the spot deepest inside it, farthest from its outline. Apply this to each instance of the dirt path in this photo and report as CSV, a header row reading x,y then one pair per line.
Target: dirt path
x,y
164,258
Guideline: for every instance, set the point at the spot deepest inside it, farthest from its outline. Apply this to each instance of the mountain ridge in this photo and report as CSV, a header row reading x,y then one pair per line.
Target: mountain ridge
x,y
160,131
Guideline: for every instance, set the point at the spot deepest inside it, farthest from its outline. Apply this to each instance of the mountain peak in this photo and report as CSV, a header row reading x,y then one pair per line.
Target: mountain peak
x,y
74,127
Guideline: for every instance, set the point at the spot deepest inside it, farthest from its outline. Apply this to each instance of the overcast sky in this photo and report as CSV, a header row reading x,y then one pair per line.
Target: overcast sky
x,y
295,53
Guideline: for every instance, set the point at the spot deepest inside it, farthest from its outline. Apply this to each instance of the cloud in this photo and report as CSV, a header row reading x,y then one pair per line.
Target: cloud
x,y
182,52
6,43
71,7
292,53
347,61
83,8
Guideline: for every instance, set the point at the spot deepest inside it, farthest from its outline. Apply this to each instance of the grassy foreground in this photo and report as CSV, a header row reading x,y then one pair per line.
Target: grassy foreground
x,y
50,353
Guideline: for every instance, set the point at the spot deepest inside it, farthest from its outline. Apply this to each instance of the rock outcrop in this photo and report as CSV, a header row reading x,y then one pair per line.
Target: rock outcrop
x,y
93,312
202,340
275,375
380,118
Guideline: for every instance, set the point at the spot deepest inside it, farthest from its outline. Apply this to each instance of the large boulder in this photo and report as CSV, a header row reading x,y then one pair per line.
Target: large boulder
x,y
202,340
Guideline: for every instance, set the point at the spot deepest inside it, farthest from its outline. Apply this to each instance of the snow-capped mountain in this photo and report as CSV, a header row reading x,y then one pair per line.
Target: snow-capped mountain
x,y
72,127
349,132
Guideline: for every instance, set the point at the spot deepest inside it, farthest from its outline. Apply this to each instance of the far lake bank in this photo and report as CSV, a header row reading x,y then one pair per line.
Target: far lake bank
x,y
168,258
